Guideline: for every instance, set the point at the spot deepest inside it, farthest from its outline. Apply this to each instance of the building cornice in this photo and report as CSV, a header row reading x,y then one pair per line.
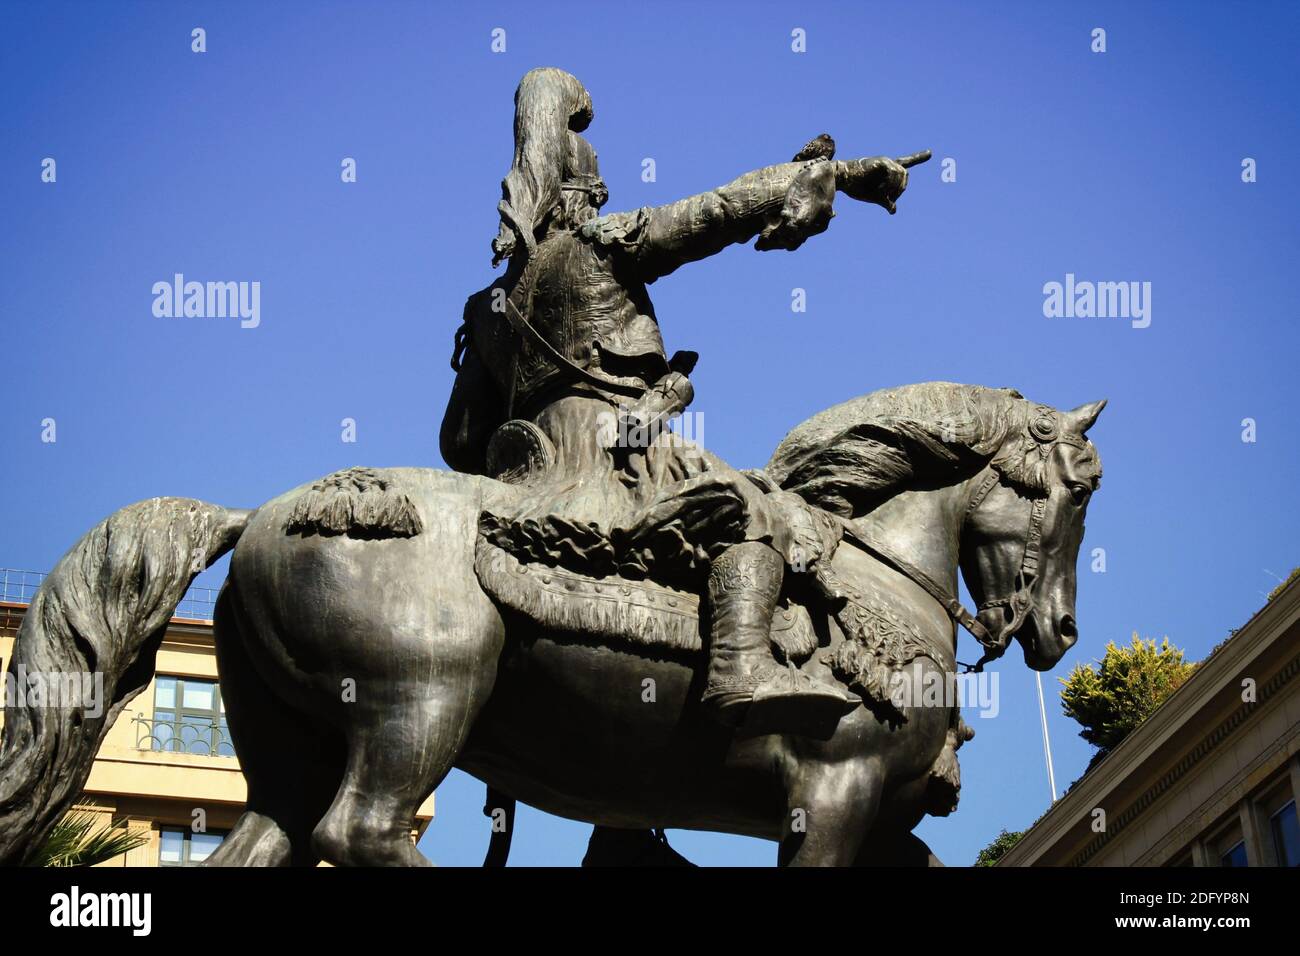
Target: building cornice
x,y
1212,682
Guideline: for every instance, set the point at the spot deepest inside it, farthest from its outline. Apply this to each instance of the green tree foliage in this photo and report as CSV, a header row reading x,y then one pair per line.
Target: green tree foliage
x,y
1130,683
79,840
1003,842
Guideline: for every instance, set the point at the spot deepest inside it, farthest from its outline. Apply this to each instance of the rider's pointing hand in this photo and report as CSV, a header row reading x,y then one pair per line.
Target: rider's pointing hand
x,y
878,179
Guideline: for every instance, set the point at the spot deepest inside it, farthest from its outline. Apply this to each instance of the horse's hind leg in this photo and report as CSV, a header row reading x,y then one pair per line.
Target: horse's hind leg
x,y
293,764
400,749
830,808
395,761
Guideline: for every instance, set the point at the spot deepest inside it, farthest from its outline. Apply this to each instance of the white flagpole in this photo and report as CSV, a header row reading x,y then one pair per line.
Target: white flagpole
x,y
1047,744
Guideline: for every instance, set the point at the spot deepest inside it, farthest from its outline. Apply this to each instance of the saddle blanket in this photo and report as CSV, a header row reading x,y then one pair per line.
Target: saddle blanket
x,y
616,610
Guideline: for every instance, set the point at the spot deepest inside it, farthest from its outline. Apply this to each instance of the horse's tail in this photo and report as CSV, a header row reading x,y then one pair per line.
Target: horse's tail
x,y
86,647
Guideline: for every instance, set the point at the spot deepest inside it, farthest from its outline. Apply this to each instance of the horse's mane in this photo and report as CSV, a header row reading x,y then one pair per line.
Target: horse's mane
x,y
849,458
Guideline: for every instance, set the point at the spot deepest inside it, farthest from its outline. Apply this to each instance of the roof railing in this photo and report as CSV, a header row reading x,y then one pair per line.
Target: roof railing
x,y
19,587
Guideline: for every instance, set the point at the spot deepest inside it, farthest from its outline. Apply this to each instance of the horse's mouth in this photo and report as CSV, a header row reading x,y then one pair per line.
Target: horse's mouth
x,y
1041,655
1034,659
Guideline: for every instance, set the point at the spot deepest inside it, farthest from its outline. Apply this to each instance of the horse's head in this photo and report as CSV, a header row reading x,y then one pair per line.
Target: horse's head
x,y
1022,531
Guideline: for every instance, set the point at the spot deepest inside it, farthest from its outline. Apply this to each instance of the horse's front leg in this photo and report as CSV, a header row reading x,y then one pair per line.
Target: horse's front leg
x,y
830,808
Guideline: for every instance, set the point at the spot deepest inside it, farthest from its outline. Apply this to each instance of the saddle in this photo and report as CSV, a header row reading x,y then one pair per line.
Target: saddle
x,y
652,615
571,576
617,610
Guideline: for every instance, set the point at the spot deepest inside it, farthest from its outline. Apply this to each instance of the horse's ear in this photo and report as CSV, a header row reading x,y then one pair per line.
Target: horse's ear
x,y
1084,417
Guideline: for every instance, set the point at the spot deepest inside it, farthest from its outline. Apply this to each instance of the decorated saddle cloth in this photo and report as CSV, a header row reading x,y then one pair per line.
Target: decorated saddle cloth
x,y
616,610
640,583
573,578
879,640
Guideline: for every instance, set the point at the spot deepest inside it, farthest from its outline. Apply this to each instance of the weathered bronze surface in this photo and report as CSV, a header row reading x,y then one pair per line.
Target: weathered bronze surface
x,y
592,614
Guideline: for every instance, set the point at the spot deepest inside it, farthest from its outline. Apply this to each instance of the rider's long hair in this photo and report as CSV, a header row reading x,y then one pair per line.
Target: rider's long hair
x,y
550,105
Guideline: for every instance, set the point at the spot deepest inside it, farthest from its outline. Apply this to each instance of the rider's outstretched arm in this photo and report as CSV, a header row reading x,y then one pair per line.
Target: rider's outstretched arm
x,y
782,204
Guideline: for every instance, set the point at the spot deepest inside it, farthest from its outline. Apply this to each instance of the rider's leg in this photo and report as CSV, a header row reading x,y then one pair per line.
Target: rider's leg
x,y
745,684
744,582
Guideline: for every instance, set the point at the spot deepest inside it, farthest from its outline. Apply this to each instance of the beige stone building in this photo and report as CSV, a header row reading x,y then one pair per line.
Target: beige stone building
x,y
1210,779
168,761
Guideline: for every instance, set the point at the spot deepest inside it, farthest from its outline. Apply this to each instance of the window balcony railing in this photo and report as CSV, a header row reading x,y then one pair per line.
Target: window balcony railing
x,y
18,587
187,735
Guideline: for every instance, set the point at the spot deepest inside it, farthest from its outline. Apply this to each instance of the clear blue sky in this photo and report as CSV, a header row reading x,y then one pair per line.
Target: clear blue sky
x,y
225,166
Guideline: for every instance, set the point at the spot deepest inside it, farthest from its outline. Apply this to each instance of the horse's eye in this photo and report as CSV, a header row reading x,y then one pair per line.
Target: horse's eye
x,y
1079,493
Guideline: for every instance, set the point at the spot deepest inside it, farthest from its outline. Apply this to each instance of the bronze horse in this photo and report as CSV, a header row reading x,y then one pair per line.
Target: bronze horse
x,y
380,663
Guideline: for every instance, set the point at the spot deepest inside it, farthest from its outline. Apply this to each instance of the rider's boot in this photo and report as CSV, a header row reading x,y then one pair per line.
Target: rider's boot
x,y
746,686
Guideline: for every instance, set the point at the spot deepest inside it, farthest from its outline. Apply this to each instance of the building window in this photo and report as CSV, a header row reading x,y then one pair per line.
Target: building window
x,y
1286,835
1228,846
188,717
1236,856
177,847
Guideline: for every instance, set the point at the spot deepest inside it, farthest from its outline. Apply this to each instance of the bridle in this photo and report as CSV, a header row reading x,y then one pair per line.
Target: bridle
x,y
1021,601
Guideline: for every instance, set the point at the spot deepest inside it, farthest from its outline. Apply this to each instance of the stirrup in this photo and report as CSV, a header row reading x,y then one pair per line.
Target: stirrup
x,y
780,701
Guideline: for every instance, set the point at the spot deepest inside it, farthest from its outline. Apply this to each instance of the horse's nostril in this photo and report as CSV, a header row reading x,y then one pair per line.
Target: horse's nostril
x,y
1069,630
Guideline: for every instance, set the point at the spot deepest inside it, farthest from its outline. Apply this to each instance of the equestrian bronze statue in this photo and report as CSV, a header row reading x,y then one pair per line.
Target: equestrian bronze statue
x,y
591,613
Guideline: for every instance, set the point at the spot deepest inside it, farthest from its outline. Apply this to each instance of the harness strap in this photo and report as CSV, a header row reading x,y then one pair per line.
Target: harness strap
x,y
549,352
1029,566
946,600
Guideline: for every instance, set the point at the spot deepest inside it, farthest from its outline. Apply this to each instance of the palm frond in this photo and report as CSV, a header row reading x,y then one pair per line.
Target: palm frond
x,y
80,840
